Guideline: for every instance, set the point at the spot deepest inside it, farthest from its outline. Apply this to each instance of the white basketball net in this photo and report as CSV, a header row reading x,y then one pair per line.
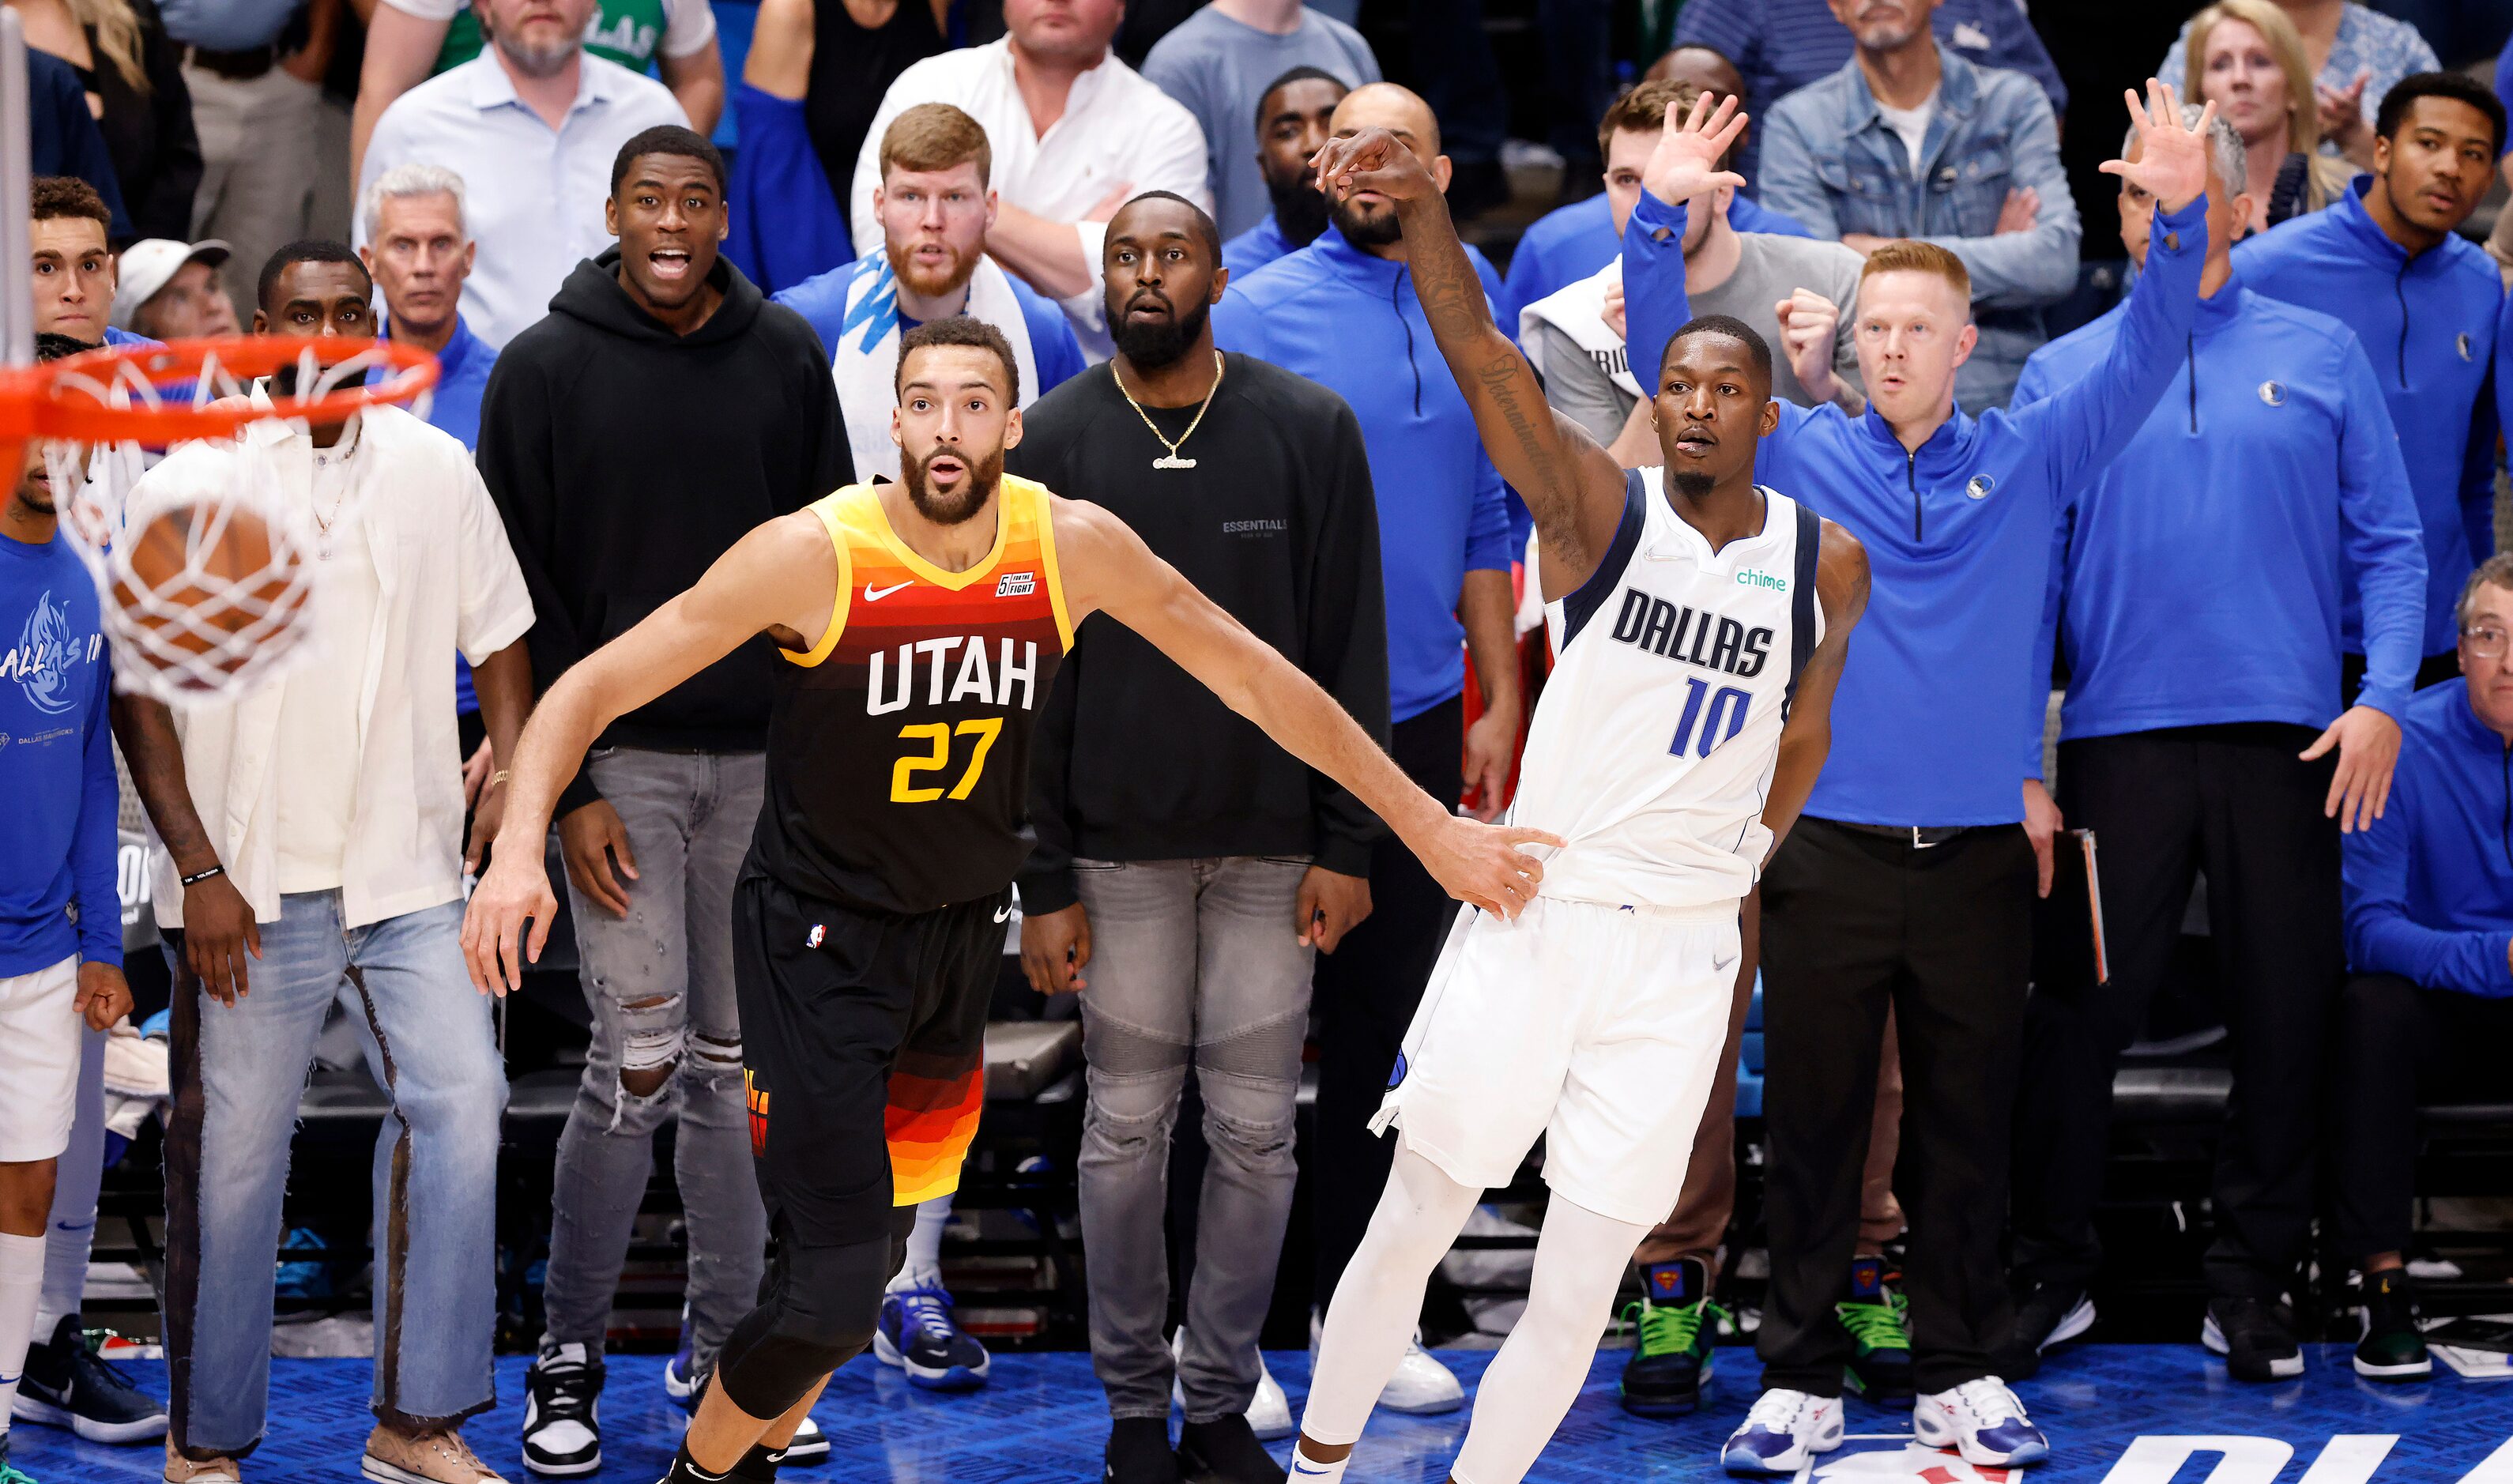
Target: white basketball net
x,y
208,570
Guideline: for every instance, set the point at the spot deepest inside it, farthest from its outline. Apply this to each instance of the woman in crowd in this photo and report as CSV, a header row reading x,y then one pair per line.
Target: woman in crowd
x,y
134,78
2247,58
2354,55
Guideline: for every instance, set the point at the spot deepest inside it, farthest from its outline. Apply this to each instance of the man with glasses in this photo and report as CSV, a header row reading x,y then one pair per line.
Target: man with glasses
x,y
2429,891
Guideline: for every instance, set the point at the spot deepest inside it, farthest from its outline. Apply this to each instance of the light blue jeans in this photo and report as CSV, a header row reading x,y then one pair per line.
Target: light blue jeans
x,y
238,1070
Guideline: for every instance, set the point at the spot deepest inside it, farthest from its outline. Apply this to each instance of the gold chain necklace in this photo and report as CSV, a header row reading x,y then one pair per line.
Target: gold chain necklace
x,y
1170,460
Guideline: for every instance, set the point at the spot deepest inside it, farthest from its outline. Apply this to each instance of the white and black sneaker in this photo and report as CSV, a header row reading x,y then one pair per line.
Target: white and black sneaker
x,y
562,1404
66,1386
2256,1337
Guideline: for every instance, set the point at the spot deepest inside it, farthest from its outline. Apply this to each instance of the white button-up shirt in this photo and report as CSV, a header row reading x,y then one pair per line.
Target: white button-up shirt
x,y
533,196
1117,128
445,581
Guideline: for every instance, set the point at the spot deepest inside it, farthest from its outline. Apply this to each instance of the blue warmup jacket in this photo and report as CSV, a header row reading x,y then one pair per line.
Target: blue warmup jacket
x,y
2429,327
823,300
2198,576
2429,885
786,224
1256,247
57,837
1577,241
1349,321
1929,721
463,370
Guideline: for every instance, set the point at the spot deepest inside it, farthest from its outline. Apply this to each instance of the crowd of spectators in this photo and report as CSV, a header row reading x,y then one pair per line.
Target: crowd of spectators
x,y
2249,539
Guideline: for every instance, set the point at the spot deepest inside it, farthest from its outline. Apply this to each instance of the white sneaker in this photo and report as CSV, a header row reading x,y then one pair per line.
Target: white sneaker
x,y
1783,1432
1269,1411
1420,1387
1983,1420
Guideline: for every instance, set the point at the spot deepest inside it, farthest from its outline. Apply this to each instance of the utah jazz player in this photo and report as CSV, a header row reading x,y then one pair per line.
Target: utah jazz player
x,y
923,622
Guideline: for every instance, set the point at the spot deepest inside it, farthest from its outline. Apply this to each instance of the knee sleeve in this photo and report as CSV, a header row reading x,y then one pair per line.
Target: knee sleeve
x,y
821,1306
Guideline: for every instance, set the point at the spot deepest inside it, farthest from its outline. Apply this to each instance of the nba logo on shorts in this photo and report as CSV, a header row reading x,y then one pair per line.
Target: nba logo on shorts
x,y
818,935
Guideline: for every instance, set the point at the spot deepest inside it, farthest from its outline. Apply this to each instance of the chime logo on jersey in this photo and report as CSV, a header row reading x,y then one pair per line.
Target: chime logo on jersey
x,y
1692,636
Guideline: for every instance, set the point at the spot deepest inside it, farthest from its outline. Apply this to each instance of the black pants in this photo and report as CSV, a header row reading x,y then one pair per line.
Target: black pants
x,y
2433,670
1853,922
2399,1045
2236,802
1367,991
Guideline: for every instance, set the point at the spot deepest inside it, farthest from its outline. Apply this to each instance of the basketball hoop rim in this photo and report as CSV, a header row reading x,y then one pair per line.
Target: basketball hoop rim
x,y
59,399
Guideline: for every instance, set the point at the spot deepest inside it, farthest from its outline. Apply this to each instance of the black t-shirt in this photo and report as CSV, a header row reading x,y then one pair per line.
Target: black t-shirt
x,y
1134,760
851,67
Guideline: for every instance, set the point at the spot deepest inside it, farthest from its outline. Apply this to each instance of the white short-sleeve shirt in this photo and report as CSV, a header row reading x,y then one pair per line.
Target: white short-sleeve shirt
x,y
1117,128
533,196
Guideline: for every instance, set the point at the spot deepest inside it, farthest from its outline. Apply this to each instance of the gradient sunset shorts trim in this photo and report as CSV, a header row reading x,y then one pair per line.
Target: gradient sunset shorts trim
x,y
930,1124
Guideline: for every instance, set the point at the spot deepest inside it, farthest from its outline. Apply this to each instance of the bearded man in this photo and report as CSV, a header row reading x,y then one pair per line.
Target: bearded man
x,y
935,206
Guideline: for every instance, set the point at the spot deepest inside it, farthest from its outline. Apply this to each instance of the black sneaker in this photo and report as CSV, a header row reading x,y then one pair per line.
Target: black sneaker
x,y
562,1401
66,1386
2052,1314
2256,1337
1879,1321
1225,1451
1139,1453
1675,1326
2393,1348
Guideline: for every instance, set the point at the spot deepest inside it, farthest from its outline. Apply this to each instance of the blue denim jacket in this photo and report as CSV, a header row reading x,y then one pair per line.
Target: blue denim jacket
x,y
1830,160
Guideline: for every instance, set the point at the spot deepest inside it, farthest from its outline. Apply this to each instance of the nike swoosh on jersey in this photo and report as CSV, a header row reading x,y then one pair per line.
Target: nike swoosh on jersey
x,y
874,594
1722,964
1003,914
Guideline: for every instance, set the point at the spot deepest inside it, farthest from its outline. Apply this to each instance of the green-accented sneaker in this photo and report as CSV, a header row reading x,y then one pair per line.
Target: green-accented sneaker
x,y
1679,1326
2393,1348
1880,1327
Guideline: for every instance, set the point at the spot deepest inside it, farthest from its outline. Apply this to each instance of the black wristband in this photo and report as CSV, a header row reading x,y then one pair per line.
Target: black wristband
x,y
196,880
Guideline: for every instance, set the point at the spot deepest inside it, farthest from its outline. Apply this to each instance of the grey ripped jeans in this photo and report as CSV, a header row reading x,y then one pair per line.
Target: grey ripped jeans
x,y
660,984
1192,961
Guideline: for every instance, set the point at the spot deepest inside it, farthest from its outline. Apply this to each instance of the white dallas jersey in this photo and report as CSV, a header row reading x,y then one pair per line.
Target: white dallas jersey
x,y
1654,741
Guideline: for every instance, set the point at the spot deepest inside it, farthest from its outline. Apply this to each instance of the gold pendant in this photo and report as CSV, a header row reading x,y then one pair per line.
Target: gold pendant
x,y
1172,462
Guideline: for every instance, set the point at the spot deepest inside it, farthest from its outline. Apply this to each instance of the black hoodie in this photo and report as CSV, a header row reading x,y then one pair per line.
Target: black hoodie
x,y
626,458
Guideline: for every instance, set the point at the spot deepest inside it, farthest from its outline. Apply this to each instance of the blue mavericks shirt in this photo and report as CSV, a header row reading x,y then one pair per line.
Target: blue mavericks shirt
x,y
57,837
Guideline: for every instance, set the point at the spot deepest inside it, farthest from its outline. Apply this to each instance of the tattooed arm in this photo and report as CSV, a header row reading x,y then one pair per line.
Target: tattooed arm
x,y
1573,487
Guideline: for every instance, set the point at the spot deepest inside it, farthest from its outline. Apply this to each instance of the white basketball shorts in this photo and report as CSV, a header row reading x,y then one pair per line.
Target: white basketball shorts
x,y
1596,1026
39,1061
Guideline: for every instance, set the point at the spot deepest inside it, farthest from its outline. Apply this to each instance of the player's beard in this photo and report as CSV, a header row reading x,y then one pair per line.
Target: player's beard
x,y
1364,232
932,285
1692,484
35,493
951,511
1299,208
1155,344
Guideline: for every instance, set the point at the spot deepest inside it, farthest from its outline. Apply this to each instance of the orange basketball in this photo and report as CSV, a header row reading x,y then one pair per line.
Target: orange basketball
x,y
206,587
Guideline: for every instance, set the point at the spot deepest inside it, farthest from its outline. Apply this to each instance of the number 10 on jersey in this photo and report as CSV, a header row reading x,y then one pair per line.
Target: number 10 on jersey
x,y
1727,711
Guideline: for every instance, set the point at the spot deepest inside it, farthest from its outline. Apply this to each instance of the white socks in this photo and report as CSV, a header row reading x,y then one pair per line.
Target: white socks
x,y
1370,1324
924,1263
21,1283
1579,1260
1308,1471
71,1239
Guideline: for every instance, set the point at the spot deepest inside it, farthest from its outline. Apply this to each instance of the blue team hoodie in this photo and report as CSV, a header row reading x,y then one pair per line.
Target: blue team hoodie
x,y
2429,326
57,837
1927,724
2429,885
1349,320
2199,572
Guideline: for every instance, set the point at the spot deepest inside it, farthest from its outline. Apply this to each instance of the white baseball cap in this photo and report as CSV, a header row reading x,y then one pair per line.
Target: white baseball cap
x,y
149,264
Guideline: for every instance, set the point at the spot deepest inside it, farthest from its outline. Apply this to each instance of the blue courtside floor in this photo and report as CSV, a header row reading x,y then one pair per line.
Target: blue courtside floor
x,y
2117,1414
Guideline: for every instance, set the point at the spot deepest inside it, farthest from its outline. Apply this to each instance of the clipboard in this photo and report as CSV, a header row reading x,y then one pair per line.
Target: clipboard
x,y
2069,936
2085,839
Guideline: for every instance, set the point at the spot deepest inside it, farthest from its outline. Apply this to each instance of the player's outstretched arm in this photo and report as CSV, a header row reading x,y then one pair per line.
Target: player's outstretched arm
x,y
1841,587
1107,569
1573,487
780,580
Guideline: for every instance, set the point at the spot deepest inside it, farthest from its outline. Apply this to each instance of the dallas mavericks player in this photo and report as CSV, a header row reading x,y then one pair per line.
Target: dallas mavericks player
x,y
1701,629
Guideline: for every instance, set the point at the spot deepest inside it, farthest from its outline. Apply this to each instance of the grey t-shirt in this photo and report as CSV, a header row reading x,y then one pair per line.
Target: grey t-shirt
x,y
1219,68
1769,269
